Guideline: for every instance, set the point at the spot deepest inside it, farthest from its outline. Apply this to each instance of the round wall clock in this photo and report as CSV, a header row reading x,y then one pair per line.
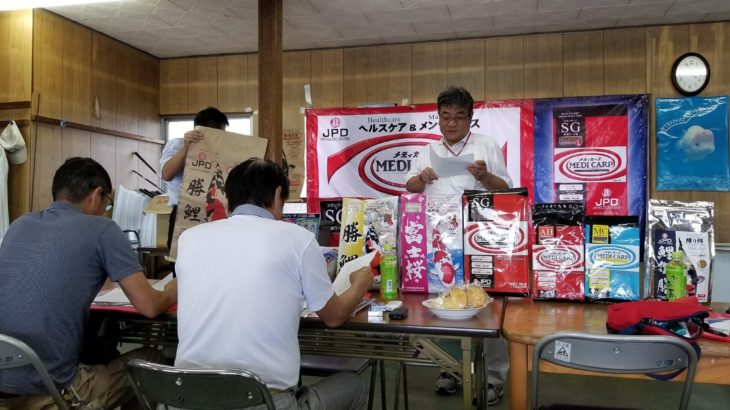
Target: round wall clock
x,y
690,74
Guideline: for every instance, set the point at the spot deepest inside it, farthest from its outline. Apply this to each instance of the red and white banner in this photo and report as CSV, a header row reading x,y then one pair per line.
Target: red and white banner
x,y
367,152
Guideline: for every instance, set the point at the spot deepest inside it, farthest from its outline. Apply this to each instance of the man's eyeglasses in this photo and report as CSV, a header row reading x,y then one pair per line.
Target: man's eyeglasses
x,y
110,205
457,119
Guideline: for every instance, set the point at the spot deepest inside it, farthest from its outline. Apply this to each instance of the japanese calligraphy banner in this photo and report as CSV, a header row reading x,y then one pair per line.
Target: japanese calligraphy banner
x,y
592,150
367,152
293,144
207,165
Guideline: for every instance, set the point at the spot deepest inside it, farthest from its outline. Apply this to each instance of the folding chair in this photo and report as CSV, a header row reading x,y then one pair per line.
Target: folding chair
x,y
15,353
197,389
323,366
626,354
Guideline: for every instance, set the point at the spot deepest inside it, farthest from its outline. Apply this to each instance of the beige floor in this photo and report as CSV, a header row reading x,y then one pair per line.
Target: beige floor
x,y
605,391
597,391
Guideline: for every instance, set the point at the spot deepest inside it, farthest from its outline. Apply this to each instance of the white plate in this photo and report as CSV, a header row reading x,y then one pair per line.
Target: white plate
x,y
452,314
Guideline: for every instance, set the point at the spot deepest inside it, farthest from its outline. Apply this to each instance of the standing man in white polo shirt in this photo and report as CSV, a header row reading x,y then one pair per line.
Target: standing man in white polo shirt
x,y
487,172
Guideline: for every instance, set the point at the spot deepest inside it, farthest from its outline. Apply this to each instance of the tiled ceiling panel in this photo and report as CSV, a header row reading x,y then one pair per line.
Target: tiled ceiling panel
x,y
174,28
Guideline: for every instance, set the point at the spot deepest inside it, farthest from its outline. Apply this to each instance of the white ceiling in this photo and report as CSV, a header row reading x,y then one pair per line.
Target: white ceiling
x,y
174,28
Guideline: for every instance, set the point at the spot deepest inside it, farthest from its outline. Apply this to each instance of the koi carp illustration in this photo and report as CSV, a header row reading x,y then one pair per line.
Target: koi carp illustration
x,y
214,208
443,264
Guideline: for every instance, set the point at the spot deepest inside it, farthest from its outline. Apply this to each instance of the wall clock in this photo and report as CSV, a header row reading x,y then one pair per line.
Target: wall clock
x,y
690,74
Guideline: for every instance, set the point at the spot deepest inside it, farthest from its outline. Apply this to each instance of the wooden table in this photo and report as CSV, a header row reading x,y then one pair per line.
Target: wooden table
x,y
526,321
377,338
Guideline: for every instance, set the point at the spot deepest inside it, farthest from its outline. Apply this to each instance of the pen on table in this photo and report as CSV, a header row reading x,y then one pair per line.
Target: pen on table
x,y
362,305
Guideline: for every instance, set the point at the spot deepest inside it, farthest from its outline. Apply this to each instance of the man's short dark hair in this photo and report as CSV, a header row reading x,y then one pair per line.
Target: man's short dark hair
x,y
212,118
456,97
77,177
254,181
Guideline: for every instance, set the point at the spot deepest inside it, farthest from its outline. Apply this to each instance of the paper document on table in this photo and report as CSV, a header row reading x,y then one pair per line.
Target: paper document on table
x,y
720,325
117,296
450,167
342,281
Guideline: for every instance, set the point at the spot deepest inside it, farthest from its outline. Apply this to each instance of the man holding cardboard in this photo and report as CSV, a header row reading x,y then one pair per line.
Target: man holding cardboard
x,y
172,161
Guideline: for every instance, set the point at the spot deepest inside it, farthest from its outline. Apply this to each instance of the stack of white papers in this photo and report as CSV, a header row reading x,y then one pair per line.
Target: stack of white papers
x,y
721,326
128,209
117,296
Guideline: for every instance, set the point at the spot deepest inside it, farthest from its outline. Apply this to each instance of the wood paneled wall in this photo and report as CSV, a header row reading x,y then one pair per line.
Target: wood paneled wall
x,y
16,29
16,57
620,61
87,78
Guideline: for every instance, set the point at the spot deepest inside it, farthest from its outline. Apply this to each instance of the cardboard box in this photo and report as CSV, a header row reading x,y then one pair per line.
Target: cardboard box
x,y
156,223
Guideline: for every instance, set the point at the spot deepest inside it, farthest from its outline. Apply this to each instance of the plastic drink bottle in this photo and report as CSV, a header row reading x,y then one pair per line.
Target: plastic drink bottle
x,y
676,272
388,273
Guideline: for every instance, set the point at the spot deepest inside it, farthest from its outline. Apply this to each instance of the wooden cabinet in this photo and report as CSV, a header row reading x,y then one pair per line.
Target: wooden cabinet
x,y
47,64
16,30
127,89
149,96
76,84
105,56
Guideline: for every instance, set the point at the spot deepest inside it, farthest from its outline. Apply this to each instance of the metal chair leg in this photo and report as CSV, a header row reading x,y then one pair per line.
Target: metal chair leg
x,y
405,386
371,393
401,366
383,402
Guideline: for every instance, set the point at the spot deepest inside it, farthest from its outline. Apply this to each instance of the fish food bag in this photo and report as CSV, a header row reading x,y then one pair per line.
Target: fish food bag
x,y
557,254
496,245
413,264
330,217
381,224
352,230
444,244
381,227
612,257
680,226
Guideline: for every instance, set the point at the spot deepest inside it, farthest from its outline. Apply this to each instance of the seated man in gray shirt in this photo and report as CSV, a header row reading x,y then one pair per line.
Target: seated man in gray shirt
x,y
54,262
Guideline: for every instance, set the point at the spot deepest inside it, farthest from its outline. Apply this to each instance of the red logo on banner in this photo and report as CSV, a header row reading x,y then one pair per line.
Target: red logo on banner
x,y
335,123
607,199
385,160
591,165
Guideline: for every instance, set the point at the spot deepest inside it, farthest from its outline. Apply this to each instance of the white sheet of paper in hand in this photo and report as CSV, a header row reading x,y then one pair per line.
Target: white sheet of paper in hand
x,y
342,281
117,296
450,167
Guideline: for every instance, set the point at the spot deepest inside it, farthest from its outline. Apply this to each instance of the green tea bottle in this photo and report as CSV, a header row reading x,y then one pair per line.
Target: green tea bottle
x,y
388,273
676,272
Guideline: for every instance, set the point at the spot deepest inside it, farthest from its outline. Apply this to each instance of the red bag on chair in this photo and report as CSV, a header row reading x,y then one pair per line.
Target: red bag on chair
x,y
683,318
653,317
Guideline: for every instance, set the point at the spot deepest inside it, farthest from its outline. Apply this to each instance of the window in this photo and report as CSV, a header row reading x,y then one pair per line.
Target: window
x,y
177,127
